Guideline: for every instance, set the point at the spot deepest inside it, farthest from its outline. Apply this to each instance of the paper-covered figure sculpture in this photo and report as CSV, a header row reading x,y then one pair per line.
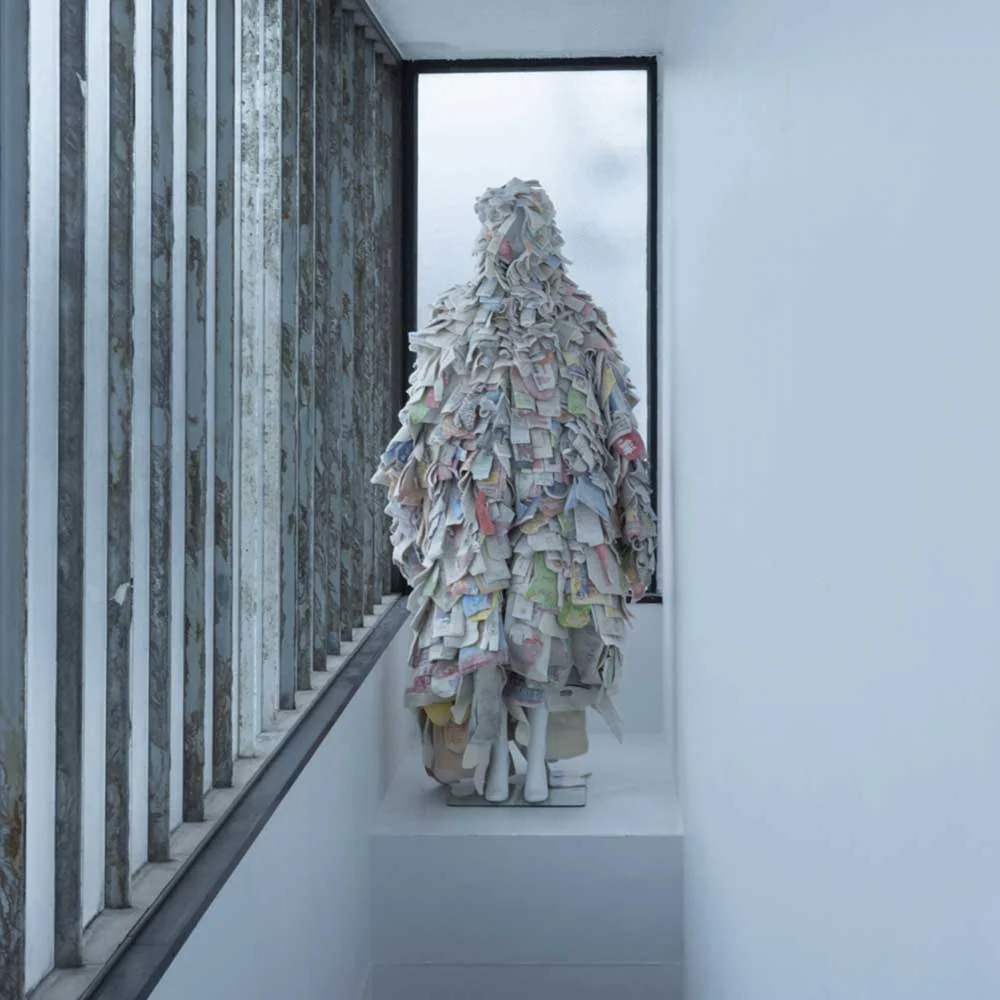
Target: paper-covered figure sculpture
x,y
519,495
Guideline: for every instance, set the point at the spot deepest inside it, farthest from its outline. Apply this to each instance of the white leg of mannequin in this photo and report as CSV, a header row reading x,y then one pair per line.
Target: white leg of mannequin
x,y
536,780
497,777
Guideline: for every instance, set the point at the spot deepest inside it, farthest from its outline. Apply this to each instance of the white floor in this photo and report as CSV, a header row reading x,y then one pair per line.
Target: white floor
x,y
550,903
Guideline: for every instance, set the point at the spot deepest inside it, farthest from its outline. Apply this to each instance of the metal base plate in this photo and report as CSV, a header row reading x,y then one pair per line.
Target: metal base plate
x,y
560,797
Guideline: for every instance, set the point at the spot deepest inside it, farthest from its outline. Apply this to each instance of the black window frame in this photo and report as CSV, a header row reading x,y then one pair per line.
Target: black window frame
x,y
412,72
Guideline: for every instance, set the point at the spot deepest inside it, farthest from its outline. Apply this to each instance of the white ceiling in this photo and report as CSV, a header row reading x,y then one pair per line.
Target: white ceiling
x,y
479,29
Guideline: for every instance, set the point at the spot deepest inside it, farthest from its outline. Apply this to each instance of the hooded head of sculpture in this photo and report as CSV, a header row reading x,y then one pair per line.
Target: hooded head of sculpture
x,y
519,242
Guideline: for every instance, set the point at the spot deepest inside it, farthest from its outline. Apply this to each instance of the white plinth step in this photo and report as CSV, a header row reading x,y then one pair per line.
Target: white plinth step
x,y
549,903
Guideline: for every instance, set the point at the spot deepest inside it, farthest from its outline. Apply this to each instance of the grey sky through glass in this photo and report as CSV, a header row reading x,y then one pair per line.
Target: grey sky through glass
x,y
582,135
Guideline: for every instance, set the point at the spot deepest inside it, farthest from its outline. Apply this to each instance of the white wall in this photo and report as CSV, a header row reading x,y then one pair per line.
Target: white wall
x,y
831,183
293,919
830,328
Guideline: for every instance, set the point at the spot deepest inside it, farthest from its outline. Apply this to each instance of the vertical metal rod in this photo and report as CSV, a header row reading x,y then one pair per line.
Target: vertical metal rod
x,y
368,335
121,196
13,489
69,581
360,370
409,99
270,208
382,205
160,430
250,381
379,366
388,290
289,348
305,397
196,402
393,292
652,428
331,494
350,332
376,279
321,379
400,154
223,421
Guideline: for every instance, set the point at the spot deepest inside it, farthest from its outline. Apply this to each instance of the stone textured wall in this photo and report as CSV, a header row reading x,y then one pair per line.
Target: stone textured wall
x,y
256,353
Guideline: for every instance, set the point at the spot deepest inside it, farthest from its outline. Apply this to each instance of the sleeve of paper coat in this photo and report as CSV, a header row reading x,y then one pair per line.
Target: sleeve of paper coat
x,y
403,471
633,501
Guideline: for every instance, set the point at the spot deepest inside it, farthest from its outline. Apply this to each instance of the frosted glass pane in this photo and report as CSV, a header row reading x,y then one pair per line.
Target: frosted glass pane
x,y
582,134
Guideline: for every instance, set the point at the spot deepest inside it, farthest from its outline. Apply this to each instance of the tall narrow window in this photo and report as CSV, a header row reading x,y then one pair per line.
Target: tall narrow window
x,y
584,134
